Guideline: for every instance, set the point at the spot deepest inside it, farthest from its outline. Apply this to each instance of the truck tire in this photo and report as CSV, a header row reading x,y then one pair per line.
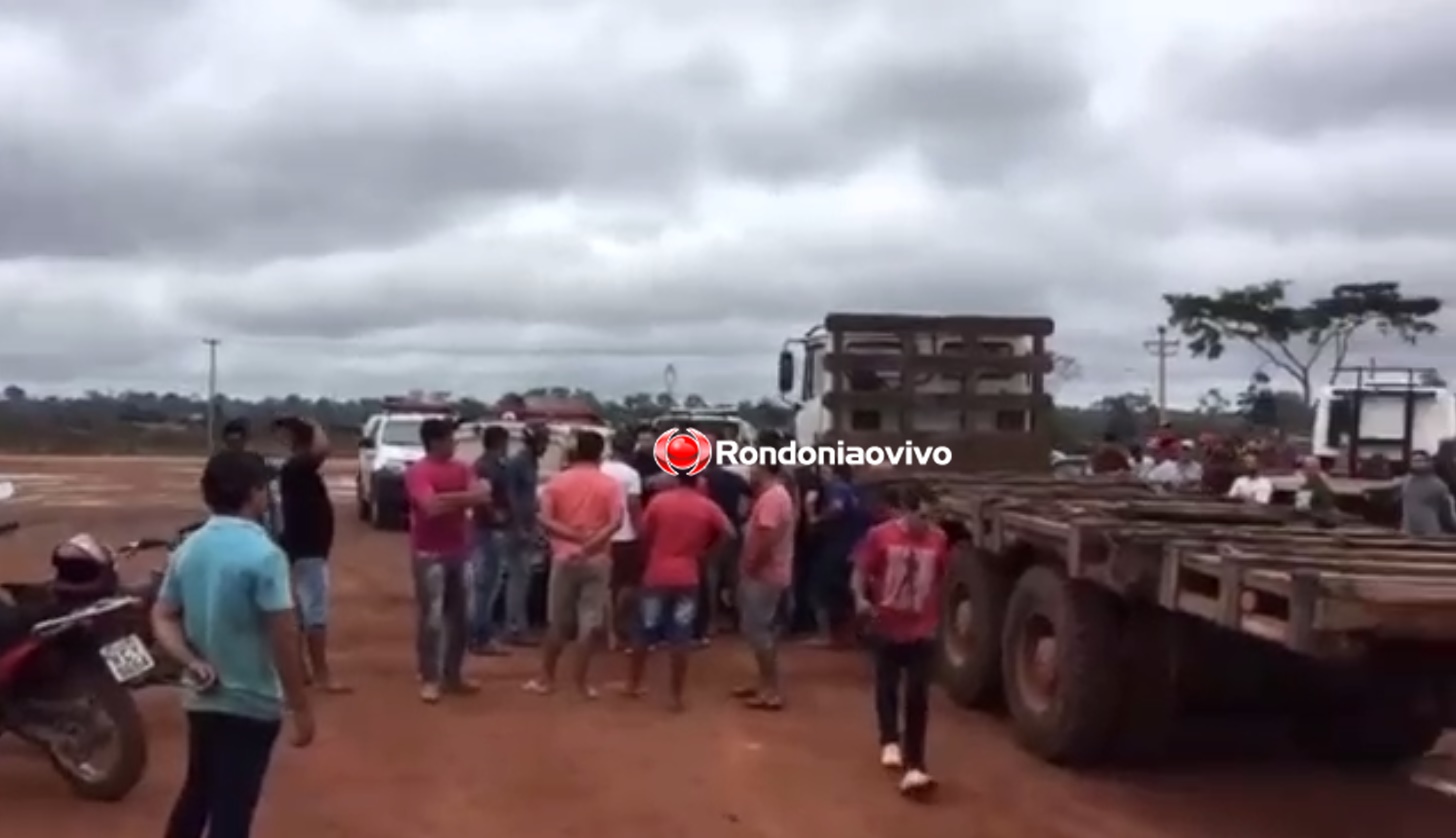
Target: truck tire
x,y
969,658
1147,719
361,503
1395,721
1060,656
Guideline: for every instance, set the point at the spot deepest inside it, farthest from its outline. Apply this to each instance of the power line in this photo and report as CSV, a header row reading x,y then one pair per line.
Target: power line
x,y
1162,348
212,344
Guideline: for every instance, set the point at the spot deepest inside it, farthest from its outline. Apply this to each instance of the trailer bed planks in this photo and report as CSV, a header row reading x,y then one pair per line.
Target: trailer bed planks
x,y
1260,570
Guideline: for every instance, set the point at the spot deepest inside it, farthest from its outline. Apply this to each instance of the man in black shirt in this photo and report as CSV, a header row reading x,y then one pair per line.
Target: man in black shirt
x,y
307,536
732,494
492,542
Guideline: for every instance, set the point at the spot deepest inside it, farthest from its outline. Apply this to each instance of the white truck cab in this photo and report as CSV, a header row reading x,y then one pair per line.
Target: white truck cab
x,y
388,443
1385,411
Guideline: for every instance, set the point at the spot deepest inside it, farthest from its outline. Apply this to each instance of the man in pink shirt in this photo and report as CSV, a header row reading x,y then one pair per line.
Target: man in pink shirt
x,y
766,570
441,492
581,508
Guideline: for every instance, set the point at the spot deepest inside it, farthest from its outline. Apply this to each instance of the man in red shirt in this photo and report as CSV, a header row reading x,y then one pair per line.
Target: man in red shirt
x,y
441,491
898,579
681,527
765,573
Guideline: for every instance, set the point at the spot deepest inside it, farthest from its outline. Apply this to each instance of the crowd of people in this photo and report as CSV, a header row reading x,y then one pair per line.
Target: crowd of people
x,y
1240,469
638,560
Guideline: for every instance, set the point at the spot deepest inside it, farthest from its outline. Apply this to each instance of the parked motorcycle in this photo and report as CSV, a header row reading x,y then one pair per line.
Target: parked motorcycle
x,y
63,677
86,571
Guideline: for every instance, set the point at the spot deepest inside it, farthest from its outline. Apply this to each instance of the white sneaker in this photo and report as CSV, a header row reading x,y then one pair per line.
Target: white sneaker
x,y
890,756
915,781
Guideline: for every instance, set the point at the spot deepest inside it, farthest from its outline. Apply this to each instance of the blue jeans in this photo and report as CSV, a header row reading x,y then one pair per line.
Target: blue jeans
x,y
489,561
518,550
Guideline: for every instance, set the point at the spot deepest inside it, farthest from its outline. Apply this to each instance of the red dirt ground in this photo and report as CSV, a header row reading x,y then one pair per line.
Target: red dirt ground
x,y
509,763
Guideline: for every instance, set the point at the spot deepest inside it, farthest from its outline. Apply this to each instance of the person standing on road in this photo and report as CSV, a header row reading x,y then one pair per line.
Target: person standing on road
x,y
680,530
899,574
765,573
731,494
1425,502
492,542
628,558
522,474
581,508
441,492
842,522
225,611
307,537
236,434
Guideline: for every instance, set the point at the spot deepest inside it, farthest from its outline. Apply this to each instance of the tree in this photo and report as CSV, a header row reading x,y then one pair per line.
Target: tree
x,y
1294,337
14,393
1213,402
1065,368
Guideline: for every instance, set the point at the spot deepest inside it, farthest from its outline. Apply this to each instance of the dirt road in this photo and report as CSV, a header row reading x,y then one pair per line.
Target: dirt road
x,y
514,764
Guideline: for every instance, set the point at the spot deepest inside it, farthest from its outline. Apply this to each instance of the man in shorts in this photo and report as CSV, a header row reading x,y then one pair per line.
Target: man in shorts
x,y
307,536
680,529
580,510
765,573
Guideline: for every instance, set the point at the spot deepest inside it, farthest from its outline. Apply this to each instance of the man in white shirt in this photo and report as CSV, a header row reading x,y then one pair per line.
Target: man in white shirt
x,y
628,559
1179,472
1252,486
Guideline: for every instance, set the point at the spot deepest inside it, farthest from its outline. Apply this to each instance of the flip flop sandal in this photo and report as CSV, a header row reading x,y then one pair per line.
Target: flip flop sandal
x,y
771,705
744,692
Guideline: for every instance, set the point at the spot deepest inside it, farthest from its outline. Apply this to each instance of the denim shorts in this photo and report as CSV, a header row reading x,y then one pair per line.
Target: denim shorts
x,y
311,591
667,616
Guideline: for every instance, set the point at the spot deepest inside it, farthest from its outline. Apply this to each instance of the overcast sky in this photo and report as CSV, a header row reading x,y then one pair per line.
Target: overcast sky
x,y
481,195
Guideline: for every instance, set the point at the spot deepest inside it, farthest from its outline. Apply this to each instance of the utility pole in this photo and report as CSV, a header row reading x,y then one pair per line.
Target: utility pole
x,y
212,344
1162,348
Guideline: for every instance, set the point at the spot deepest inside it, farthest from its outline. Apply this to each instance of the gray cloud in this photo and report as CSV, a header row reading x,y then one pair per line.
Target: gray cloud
x,y
370,195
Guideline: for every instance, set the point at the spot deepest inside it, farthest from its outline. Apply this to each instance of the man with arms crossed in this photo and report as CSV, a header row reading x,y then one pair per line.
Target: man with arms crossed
x,y
765,573
492,542
681,528
307,537
441,492
627,553
580,510
225,611
898,577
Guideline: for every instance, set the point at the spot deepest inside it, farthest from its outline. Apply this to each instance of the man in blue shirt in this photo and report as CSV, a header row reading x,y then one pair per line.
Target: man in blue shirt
x,y
226,612
842,520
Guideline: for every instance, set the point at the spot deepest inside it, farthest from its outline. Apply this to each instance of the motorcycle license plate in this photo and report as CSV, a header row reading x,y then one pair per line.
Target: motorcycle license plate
x,y
127,658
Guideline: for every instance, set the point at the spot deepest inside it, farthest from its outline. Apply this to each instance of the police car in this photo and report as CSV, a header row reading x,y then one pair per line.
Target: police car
x,y
388,444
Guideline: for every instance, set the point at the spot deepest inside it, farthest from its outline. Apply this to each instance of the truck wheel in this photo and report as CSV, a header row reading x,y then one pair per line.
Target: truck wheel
x,y
1394,722
1147,719
970,633
1060,655
361,503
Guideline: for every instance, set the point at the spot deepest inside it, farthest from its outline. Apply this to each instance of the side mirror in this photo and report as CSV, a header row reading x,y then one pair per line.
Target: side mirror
x,y
786,372
366,444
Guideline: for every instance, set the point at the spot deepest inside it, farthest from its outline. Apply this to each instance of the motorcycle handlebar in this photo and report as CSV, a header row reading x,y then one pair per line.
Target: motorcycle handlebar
x,y
143,545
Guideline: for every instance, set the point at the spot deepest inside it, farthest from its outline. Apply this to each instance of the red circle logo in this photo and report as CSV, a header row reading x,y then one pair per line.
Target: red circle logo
x,y
683,451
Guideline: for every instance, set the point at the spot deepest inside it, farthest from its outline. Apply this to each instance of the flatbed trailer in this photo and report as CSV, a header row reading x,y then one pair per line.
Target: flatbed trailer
x,y
1093,608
